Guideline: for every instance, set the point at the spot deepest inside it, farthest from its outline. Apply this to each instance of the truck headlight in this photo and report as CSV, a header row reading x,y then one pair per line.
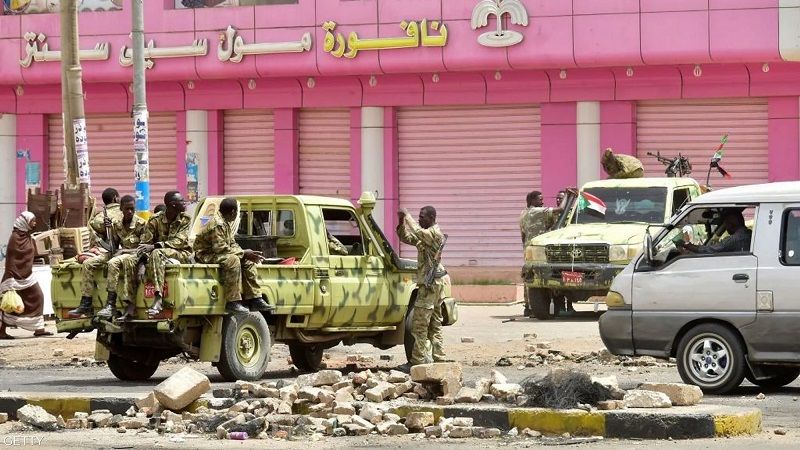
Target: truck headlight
x,y
535,253
617,252
614,300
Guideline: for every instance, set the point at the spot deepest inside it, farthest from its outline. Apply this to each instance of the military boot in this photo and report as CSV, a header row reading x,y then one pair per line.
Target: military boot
x,y
236,308
110,310
130,312
258,304
85,308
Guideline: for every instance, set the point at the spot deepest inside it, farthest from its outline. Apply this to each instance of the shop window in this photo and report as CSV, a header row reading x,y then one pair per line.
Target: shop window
x,y
182,4
54,6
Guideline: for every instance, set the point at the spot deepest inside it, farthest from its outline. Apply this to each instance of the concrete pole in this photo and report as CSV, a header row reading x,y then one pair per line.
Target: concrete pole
x,y
140,113
75,139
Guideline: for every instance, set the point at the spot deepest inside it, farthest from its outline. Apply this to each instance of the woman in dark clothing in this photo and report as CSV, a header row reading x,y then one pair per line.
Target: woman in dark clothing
x,y
18,276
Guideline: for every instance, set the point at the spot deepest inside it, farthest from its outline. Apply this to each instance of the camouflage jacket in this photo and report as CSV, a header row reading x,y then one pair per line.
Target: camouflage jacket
x,y
428,241
97,227
335,246
214,239
534,221
164,234
128,238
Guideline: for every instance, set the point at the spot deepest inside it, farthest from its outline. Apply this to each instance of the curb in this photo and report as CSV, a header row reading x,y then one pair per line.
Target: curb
x,y
65,404
694,422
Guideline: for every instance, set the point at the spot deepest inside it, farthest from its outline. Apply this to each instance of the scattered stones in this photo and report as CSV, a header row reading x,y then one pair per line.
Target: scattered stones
x,y
544,345
461,432
608,405
3,418
395,376
678,393
498,378
760,396
646,399
531,433
435,372
371,413
58,352
321,378
505,390
380,392
780,431
432,431
445,401
503,362
462,421
468,395
181,389
467,340
36,416
417,421
487,433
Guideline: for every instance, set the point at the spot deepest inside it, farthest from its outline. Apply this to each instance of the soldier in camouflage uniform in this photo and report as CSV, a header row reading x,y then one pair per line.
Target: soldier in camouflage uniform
x,y
426,323
621,166
166,237
335,246
214,244
96,257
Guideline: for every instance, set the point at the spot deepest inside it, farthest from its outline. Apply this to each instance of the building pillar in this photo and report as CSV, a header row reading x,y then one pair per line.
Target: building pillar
x,y
32,146
391,176
618,127
287,153
784,138
559,166
8,177
215,131
588,141
197,161
372,158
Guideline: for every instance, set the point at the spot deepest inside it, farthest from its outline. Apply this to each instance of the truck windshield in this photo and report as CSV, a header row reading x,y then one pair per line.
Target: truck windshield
x,y
645,204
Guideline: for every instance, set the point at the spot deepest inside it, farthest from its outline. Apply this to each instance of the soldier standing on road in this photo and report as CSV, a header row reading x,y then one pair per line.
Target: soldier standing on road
x,y
214,244
426,323
166,237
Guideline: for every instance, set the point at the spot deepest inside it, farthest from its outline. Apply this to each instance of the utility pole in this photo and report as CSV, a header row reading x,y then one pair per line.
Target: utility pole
x,y
140,113
76,145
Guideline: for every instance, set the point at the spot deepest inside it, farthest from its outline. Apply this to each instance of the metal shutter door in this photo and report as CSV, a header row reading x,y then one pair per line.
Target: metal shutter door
x,y
694,128
111,153
474,165
249,151
324,148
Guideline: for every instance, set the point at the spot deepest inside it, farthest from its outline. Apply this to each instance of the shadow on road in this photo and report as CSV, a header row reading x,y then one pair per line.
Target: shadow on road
x,y
580,316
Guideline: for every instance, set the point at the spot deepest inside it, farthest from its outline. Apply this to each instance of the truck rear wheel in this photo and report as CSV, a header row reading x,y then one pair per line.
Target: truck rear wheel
x,y
306,357
540,300
130,370
245,348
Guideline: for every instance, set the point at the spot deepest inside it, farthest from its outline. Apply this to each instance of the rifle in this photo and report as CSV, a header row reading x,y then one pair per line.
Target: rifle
x,y
431,276
108,244
676,167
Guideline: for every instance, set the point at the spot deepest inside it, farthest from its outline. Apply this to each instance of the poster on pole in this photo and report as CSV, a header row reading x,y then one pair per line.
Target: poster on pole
x,y
191,177
141,168
81,149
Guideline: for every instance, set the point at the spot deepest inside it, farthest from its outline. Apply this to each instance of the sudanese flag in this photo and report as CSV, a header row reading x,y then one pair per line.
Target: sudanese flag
x,y
591,204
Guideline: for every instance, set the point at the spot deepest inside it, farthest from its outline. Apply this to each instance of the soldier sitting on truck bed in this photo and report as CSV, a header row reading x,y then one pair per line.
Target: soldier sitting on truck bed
x,y
166,237
214,244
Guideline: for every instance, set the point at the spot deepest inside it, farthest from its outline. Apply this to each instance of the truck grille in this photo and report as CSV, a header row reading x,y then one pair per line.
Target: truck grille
x,y
584,253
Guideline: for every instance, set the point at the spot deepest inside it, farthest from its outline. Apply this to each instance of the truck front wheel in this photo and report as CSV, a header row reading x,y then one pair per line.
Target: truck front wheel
x,y
306,357
540,301
245,347
130,370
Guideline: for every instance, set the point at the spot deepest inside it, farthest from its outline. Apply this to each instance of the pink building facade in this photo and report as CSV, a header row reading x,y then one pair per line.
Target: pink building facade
x,y
420,101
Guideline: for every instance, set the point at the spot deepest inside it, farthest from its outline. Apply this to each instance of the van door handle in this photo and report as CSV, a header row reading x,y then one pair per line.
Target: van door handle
x,y
741,278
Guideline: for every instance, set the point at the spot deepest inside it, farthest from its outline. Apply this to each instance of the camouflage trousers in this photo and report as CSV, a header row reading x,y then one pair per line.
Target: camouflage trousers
x,y
122,276
426,325
87,273
157,264
238,277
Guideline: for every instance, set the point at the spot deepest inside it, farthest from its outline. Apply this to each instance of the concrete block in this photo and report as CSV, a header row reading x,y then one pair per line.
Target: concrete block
x,y
181,389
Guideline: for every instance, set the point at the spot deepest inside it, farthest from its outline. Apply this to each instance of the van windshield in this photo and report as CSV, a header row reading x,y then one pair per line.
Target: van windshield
x,y
644,204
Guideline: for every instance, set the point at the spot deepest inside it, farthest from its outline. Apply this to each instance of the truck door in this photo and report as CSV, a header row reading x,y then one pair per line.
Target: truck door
x,y
689,286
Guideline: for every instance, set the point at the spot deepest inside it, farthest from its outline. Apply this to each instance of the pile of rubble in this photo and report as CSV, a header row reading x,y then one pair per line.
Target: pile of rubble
x,y
328,403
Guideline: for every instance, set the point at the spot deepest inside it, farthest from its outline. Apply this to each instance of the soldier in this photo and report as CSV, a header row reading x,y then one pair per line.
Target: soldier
x,y
166,237
127,232
621,166
335,246
214,244
426,323
95,258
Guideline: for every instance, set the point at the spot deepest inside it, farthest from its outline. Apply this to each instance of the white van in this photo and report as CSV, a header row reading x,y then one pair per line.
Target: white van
x,y
718,288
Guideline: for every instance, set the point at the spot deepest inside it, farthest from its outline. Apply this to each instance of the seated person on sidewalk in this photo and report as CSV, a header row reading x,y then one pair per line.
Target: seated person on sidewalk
x,y
214,244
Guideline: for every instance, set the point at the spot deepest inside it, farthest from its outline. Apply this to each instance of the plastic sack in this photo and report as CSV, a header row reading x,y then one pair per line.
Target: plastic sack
x,y
11,303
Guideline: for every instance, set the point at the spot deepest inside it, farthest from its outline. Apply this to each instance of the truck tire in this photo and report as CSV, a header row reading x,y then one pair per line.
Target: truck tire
x,y
408,338
306,357
778,376
245,347
540,300
711,356
130,370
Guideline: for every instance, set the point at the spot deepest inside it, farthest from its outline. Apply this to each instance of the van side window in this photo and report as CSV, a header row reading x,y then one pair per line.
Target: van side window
x,y
790,238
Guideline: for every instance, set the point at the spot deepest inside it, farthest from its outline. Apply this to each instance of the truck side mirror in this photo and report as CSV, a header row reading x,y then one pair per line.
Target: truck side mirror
x,y
647,251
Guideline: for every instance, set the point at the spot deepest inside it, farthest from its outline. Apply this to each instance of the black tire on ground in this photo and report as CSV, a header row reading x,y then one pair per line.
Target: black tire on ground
x,y
306,357
245,347
778,376
711,356
129,370
408,341
540,300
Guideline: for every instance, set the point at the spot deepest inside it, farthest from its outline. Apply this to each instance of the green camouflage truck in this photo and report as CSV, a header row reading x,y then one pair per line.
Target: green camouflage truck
x,y
580,260
317,299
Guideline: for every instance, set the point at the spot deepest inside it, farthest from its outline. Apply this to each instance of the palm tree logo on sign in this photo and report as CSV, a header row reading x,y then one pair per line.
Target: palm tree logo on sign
x,y
517,13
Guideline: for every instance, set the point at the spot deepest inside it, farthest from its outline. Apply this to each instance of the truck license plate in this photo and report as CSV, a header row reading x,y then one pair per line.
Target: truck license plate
x,y
572,277
150,290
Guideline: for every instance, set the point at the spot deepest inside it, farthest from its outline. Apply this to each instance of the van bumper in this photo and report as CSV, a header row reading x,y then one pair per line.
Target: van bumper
x,y
616,331
546,275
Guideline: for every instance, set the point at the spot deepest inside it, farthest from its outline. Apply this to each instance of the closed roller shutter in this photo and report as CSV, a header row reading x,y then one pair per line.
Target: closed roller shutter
x,y
249,152
324,148
111,153
694,129
474,165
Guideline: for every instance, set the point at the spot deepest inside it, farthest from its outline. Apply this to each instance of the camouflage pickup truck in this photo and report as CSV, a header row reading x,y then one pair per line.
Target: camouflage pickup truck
x,y
317,299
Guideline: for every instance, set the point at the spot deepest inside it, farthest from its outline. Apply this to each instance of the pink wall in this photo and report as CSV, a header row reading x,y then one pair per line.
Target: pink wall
x,y
180,151
618,126
31,136
784,139
559,143
355,153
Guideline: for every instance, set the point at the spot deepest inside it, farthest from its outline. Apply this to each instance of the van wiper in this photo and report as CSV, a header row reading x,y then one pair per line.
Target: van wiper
x,y
631,222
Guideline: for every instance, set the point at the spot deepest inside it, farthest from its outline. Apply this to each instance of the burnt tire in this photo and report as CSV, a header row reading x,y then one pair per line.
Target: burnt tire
x,y
130,370
246,343
306,357
540,301
711,356
777,377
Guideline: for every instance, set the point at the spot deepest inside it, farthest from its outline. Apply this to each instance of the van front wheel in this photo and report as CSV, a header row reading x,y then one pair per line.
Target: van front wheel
x,y
710,356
